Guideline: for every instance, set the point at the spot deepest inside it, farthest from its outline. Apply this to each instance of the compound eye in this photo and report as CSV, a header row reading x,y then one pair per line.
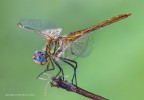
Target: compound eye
x,y
40,57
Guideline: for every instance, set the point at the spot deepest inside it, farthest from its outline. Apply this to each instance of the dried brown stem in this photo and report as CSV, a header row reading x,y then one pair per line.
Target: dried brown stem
x,y
59,83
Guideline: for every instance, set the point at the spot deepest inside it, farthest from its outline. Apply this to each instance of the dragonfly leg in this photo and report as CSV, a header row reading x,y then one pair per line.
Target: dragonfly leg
x,y
47,69
60,70
74,67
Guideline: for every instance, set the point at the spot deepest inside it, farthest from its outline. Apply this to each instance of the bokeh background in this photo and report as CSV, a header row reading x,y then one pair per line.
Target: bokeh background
x,y
114,69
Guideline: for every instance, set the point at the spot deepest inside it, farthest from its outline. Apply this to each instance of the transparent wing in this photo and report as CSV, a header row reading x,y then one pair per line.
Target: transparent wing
x,y
36,24
81,47
45,28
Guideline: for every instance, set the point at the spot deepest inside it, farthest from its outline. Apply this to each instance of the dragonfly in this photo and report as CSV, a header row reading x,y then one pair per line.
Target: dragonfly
x,y
58,47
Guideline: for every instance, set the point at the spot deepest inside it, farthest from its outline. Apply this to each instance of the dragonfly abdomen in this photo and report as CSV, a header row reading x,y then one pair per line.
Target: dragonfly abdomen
x,y
74,35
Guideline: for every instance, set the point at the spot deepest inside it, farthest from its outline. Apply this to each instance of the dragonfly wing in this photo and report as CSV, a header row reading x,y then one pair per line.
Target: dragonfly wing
x,y
44,27
79,48
36,24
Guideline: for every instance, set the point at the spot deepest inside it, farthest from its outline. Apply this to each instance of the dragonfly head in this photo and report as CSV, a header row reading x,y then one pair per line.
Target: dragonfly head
x,y
40,57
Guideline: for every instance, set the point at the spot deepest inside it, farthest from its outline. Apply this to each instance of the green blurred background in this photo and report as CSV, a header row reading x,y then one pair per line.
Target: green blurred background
x,y
114,69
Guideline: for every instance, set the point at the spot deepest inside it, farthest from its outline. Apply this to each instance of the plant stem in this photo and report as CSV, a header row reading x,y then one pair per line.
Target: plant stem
x,y
59,83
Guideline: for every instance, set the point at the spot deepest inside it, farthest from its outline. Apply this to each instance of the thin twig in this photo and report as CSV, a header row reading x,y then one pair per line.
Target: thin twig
x,y
59,83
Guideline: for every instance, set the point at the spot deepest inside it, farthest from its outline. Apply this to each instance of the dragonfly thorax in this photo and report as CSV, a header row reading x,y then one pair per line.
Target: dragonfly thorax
x,y
52,47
